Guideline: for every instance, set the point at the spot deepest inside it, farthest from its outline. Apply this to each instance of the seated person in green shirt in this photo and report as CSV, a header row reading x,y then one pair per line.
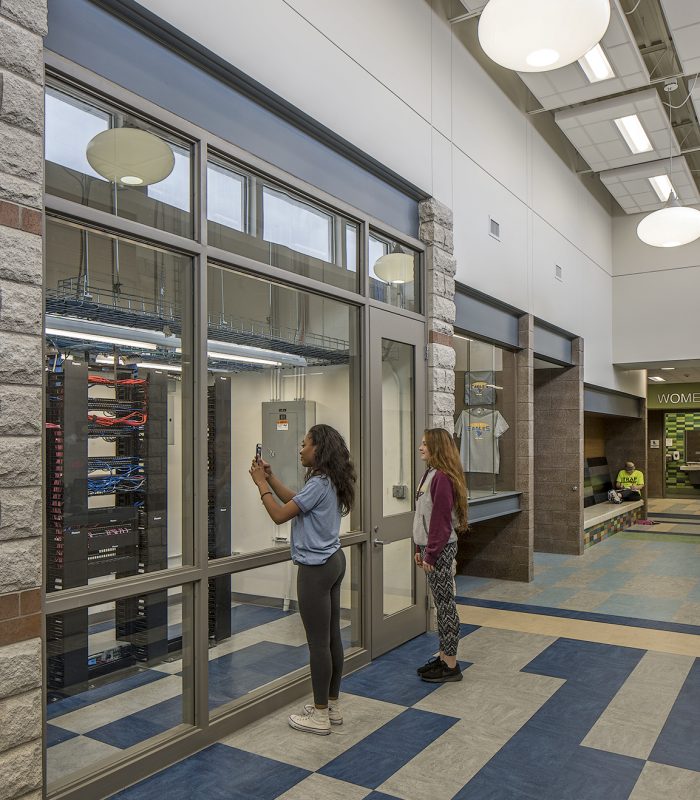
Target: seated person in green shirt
x,y
630,482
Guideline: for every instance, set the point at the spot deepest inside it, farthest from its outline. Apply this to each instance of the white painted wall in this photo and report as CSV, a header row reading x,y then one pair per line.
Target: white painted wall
x,y
655,293
390,76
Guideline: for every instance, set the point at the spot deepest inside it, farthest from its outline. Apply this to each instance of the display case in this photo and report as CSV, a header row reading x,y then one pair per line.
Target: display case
x,y
485,391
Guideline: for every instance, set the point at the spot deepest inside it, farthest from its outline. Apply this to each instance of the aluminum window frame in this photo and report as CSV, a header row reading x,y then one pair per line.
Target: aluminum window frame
x,y
177,743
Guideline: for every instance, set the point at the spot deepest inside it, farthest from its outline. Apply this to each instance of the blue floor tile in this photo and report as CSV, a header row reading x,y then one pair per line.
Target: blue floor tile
x,y
552,576
392,677
679,744
378,756
594,774
142,725
627,605
244,617
55,735
218,773
553,596
235,674
68,704
533,761
611,581
380,796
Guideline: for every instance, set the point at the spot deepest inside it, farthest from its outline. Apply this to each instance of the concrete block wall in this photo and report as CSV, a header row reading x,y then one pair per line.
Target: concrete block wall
x,y
23,23
559,445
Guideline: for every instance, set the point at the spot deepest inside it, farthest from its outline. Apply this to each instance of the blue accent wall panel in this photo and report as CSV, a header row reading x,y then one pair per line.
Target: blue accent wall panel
x,y
92,37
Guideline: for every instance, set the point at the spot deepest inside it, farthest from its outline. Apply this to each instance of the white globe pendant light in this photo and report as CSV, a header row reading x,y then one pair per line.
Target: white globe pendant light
x,y
539,35
671,226
395,267
130,156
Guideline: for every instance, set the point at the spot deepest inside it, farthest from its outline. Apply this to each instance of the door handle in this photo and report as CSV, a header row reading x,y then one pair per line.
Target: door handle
x,y
378,542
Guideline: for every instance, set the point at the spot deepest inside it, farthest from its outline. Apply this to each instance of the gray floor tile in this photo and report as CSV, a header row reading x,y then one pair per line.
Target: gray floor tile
x,y
658,781
446,765
321,787
76,754
273,738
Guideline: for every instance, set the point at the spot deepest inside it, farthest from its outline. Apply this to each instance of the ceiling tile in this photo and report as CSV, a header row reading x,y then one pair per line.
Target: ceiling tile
x,y
683,20
631,188
609,149
569,85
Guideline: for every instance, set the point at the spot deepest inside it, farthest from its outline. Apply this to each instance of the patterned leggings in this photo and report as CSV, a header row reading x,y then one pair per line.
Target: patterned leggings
x,y
443,590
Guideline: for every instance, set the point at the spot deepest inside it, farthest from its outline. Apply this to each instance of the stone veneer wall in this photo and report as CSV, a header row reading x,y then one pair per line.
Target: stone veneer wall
x,y
559,442
502,547
436,231
23,23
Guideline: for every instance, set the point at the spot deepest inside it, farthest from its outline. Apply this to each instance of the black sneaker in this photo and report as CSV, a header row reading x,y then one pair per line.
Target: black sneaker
x,y
429,664
441,673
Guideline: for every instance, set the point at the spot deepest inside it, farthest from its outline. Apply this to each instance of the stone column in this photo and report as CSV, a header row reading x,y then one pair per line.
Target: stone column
x,y
559,457
436,232
22,26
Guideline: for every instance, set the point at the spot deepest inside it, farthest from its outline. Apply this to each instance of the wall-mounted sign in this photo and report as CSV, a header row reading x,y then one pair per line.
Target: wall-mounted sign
x,y
674,396
654,444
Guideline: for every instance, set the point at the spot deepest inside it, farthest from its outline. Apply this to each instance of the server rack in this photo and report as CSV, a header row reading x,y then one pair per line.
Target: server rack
x,y
124,539
219,488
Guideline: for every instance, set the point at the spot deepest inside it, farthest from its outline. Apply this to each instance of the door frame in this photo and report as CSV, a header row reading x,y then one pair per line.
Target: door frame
x,y
388,632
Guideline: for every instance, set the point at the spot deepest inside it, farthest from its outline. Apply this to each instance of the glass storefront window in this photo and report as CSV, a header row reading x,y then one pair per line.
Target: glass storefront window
x,y
485,410
118,407
280,361
115,677
72,122
256,634
249,216
394,272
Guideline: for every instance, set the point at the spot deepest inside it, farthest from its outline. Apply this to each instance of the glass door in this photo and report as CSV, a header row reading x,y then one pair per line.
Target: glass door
x,y
397,380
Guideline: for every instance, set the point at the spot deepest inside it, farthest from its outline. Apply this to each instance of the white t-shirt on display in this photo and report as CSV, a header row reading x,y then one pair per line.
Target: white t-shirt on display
x,y
480,429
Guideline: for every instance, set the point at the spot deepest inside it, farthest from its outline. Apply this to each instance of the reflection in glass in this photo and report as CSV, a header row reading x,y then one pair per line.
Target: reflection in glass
x,y
71,123
397,427
248,216
257,636
485,409
397,287
280,361
398,573
114,678
117,407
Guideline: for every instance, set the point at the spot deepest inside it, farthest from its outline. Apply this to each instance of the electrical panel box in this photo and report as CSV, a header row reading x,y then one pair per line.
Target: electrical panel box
x,y
284,425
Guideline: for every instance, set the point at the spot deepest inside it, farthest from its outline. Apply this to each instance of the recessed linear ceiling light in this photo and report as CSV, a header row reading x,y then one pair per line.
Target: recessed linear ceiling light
x,y
657,379
634,134
539,35
663,188
164,367
596,65
94,337
667,369
244,359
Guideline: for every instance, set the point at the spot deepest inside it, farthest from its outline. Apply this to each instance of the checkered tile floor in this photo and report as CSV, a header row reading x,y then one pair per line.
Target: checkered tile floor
x,y
535,717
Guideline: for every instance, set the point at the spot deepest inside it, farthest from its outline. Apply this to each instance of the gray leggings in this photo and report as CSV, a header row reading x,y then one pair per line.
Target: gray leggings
x,y
318,592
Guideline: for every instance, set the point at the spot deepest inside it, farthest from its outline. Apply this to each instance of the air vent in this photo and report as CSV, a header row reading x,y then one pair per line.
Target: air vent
x,y
558,273
494,229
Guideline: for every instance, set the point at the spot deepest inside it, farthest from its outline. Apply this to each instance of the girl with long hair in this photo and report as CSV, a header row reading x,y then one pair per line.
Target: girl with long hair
x,y
441,511
315,511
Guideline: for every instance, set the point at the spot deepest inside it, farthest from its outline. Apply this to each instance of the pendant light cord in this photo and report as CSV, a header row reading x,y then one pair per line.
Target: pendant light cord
x,y
627,13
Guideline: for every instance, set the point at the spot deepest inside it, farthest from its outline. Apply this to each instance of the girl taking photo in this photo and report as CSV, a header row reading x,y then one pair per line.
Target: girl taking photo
x,y
441,510
315,511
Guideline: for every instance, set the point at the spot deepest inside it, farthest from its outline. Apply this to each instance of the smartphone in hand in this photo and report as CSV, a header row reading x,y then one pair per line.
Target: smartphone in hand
x,y
258,452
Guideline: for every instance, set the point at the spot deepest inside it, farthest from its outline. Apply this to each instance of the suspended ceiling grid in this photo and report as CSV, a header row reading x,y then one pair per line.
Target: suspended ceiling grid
x,y
659,39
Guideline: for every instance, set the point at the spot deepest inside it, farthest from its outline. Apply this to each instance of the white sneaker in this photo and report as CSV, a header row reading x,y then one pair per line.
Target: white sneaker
x,y
334,714
315,721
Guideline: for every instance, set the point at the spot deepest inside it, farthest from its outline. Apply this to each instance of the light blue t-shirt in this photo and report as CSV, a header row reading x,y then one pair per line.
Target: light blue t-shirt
x,y
315,532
